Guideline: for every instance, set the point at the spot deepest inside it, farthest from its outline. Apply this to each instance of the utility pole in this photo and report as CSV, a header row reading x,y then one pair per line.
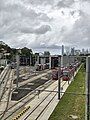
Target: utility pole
x,y
17,71
30,60
49,62
26,66
59,77
38,59
62,59
88,88
30,64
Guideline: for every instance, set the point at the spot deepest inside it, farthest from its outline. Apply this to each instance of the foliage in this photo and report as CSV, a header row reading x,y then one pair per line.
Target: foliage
x,y
25,51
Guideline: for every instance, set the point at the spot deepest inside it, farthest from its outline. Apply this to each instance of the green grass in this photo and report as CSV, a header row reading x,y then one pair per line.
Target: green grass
x,y
72,104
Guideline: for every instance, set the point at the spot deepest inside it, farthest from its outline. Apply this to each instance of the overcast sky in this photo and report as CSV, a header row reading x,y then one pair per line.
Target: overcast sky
x,y
45,24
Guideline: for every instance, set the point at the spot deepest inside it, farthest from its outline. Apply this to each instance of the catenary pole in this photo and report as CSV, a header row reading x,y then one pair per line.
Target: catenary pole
x,y
17,71
59,78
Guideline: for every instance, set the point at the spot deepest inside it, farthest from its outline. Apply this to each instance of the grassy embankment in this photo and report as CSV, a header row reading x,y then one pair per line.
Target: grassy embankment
x,y
72,104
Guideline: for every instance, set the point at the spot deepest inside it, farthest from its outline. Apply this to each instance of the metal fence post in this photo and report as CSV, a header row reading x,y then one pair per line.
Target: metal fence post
x,y
88,88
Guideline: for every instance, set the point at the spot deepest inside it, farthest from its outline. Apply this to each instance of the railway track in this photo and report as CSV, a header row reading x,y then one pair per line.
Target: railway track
x,y
3,87
32,73
21,103
3,75
34,78
9,85
11,91
38,109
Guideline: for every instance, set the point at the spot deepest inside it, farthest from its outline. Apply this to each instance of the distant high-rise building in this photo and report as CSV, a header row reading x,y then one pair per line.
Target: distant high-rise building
x,y
83,51
67,50
77,52
72,51
62,49
87,51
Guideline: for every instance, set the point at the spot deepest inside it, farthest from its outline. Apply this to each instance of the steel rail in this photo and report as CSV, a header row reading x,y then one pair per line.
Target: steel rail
x,y
3,91
41,103
10,89
24,103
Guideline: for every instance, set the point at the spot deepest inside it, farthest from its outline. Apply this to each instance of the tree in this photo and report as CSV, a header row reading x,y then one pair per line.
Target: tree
x,y
46,53
26,52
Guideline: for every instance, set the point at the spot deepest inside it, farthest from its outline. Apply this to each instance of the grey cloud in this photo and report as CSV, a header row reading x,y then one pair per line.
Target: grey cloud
x,y
30,13
54,46
41,30
15,17
27,30
42,44
17,12
39,2
81,13
44,17
61,4
47,46
81,32
65,3
72,13
15,9
63,29
86,0
2,4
